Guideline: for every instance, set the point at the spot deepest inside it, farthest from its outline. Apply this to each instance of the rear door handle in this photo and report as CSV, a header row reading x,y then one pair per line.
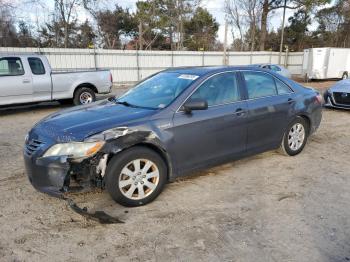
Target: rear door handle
x,y
239,112
290,101
26,81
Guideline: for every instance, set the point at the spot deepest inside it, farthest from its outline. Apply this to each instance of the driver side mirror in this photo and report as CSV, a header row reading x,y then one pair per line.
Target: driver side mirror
x,y
195,104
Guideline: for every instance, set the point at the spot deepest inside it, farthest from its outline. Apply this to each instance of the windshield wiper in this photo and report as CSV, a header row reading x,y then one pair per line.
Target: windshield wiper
x,y
115,100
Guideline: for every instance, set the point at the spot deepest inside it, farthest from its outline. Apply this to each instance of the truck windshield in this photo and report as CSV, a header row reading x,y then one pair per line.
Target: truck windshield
x,y
158,91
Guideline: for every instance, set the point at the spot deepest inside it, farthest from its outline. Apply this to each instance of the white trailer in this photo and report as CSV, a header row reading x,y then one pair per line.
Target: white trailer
x,y
326,63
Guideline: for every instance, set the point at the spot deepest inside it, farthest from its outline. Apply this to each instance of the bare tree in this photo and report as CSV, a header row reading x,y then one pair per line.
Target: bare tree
x,y
244,16
232,10
65,9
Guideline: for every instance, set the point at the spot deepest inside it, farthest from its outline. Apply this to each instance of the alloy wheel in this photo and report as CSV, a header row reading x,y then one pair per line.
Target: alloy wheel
x,y
296,136
138,179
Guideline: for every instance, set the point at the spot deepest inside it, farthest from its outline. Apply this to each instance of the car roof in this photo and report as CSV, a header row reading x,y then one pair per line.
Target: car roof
x,y
203,70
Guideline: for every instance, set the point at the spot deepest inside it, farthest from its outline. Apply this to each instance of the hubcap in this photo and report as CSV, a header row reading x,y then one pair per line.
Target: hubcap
x,y
138,179
85,98
296,137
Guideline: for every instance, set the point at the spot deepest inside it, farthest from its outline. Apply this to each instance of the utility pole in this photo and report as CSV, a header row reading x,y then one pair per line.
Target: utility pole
x,y
140,36
224,59
282,33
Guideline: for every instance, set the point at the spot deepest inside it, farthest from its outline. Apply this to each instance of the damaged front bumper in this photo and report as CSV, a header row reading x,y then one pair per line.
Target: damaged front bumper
x,y
57,175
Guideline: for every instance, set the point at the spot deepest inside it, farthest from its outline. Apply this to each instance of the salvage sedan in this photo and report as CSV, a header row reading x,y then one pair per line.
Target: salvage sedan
x,y
169,125
338,96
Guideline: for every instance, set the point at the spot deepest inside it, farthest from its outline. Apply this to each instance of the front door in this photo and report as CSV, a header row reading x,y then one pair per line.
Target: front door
x,y
203,136
15,81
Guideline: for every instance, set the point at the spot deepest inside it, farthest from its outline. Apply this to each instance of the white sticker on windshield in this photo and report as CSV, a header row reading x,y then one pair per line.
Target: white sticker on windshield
x,y
188,77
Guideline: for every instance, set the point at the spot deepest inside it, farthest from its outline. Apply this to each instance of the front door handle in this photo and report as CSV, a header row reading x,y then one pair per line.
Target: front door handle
x,y
26,81
239,112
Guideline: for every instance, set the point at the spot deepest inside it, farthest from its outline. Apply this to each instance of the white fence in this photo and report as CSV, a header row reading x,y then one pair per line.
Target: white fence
x,y
132,65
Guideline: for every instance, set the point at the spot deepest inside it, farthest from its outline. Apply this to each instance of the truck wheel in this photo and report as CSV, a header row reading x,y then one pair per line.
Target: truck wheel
x,y
345,75
136,176
83,96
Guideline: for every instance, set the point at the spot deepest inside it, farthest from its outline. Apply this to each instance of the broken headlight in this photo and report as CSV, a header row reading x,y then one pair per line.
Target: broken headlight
x,y
75,149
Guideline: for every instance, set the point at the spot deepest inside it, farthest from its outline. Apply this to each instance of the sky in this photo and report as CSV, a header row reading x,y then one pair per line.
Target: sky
x,y
215,7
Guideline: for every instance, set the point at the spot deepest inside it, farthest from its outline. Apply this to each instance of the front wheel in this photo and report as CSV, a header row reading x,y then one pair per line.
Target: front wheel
x,y
136,176
83,96
295,137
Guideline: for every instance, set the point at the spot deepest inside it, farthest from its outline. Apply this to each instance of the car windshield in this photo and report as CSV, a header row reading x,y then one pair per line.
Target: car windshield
x,y
158,91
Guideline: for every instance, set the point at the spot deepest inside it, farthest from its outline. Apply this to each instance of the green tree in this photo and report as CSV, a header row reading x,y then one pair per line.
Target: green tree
x,y
297,33
85,35
201,30
114,24
270,5
25,35
334,25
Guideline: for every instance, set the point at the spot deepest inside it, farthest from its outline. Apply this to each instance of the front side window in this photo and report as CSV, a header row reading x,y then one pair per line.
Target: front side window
x,y
219,89
11,66
259,84
36,65
159,90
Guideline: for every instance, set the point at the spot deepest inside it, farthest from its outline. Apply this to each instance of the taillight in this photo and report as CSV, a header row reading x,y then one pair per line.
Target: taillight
x,y
111,77
319,99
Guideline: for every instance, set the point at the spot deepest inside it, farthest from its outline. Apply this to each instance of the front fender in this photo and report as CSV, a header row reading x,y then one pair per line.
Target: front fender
x,y
135,138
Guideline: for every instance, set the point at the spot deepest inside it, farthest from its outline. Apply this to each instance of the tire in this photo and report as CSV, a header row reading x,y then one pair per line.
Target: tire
x,y
84,95
135,183
345,75
287,146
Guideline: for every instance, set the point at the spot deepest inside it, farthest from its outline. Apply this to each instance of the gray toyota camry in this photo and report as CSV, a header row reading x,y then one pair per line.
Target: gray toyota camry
x,y
170,124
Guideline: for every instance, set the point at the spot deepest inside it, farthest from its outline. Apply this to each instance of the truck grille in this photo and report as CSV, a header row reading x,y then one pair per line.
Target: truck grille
x,y
341,98
32,146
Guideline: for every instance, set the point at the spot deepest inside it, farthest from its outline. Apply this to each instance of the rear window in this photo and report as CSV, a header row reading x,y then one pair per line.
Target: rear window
x,y
11,66
36,65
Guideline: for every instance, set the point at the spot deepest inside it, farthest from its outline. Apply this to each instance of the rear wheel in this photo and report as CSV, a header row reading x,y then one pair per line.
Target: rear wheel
x,y
136,176
83,96
295,137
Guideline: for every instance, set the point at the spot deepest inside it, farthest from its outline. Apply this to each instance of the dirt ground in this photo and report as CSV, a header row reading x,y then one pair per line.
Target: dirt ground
x,y
264,208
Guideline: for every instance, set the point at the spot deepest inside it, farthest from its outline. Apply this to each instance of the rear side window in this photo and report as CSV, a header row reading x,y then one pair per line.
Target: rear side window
x,y
219,89
36,65
282,88
259,84
11,66
275,68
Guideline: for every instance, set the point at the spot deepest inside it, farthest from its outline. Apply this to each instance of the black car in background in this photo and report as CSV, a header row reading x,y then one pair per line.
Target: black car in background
x,y
170,124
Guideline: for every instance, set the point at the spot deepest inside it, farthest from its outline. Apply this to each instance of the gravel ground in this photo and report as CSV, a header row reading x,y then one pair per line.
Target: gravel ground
x,y
264,208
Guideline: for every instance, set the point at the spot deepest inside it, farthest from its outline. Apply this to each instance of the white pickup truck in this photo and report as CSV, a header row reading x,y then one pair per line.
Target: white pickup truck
x,y
28,78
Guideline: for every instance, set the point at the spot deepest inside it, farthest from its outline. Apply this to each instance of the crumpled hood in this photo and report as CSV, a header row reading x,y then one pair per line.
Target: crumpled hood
x,y
341,86
77,123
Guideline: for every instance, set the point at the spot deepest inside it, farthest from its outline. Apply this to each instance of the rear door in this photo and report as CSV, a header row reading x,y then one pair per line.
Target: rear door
x,y
220,131
41,79
270,109
15,81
